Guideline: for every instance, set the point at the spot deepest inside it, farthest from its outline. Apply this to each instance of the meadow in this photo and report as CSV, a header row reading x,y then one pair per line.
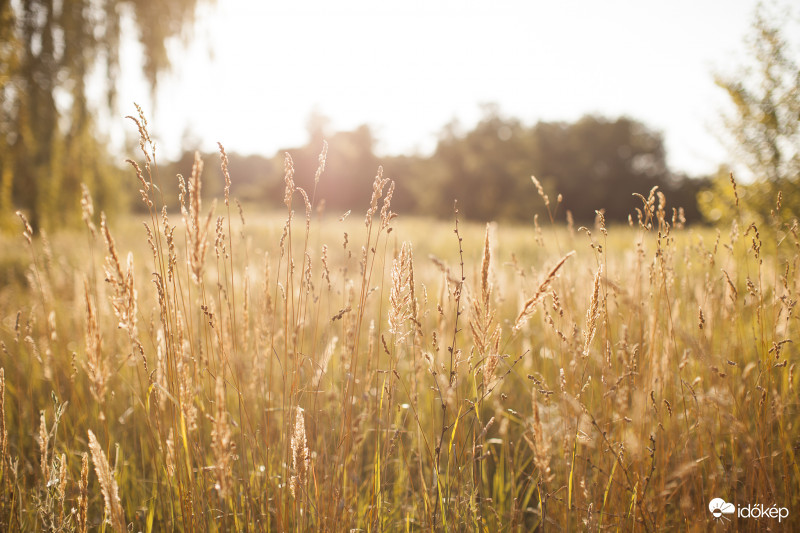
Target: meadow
x,y
213,367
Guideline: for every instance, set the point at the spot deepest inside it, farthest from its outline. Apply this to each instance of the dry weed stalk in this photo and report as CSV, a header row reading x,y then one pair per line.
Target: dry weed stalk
x,y
386,213
44,440
61,488
528,306
224,165
144,136
87,209
123,300
323,157
377,191
540,444
221,441
83,496
540,190
400,298
28,232
301,458
485,333
196,230
288,178
108,485
184,365
145,190
593,312
326,359
3,430
169,456
95,365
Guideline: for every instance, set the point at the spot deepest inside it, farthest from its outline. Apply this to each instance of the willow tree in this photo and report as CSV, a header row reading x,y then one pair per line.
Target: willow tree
x,y
49,49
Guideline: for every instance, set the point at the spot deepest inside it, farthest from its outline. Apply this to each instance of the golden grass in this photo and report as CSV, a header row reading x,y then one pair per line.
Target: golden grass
x,y
319,375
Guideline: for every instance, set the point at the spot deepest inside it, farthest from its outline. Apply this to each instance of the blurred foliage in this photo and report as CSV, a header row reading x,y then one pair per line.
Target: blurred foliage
x,y
48,52
595,163
763,126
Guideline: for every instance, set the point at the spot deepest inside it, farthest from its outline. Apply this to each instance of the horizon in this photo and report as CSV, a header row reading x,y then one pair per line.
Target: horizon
x,y
352,63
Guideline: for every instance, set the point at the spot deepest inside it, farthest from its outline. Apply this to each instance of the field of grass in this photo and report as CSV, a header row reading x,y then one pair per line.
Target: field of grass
x,y
204,368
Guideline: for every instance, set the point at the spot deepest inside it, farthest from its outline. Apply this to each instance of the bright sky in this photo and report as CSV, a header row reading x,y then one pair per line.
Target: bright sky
x,y
255,70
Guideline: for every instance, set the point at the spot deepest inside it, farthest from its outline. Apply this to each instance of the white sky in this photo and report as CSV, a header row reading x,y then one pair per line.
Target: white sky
x,y
254,70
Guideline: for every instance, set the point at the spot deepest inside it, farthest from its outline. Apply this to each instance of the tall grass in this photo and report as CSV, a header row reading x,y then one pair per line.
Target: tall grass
x,y
326,372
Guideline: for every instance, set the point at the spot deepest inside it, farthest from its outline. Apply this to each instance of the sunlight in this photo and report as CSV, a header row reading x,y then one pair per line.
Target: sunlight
x,y
256,71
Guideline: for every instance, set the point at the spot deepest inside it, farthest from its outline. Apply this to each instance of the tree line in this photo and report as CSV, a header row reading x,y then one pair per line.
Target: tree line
x,y
592,164
49,143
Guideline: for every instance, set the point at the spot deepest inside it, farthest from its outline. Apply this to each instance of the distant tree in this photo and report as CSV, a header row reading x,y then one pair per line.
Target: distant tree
x,y
483,169
350,168
48,51
763,126
597,163
594,163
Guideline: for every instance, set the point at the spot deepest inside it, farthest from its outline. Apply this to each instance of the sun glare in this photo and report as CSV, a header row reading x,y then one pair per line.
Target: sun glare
x,y
255,71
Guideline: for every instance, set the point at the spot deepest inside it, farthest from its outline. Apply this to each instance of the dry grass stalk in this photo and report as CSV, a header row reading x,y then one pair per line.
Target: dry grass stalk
x,y
61,488
400,300
113,265
540,444
83,497
288,178
28,232
484,332
326,359
540,190
414,306
108,485
196,231
186,378
144,135
649,206
301,457
225,173
3,430
87,209
735,191
490,366
307,204
219,242
145,190
377,191
221,441
600,221
123,300
593,312
326,273
386,212
160,391
528,306
169,456
96,366
323,156
267,308
44,440
169,235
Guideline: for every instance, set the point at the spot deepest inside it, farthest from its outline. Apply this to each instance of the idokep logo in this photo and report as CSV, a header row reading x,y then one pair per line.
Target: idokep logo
x,y
720,508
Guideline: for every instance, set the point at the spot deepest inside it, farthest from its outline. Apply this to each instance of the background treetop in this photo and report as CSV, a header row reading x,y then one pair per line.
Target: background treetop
x,y
49,51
